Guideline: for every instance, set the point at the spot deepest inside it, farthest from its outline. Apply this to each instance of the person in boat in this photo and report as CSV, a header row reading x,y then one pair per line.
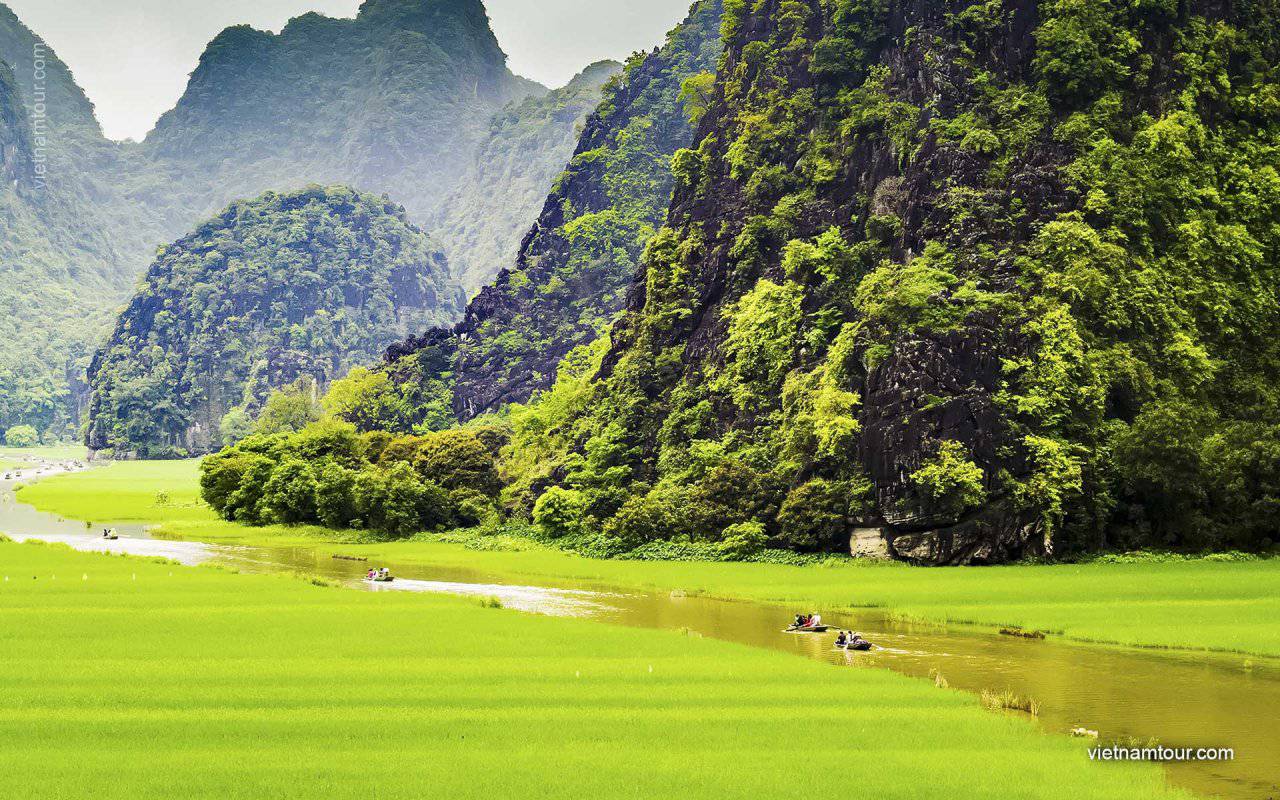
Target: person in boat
x,y
815,620
384,573
371,574
800,620
840,640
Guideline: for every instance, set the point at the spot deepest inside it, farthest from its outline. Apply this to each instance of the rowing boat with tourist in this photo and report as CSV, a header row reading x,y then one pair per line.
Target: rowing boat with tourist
x,y
807,623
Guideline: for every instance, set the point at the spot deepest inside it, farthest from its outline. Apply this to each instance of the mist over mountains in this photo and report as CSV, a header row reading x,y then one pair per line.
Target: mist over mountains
x,y
406,100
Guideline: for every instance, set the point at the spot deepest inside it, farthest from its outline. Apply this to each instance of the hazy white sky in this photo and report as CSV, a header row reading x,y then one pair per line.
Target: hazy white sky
x,y
133,56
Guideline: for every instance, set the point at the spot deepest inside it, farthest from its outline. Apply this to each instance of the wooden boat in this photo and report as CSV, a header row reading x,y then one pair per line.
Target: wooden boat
x,y
861,644
808,629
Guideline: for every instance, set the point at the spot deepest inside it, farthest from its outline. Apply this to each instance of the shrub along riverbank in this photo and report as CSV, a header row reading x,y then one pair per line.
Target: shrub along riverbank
x,y
1197,604
132,678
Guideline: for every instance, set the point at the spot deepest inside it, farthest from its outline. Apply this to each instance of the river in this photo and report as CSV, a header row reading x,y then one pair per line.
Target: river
x,y
1178,699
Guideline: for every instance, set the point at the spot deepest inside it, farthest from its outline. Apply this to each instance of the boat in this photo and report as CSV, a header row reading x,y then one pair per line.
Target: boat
x,y
860,644
807,629
110,536
380,579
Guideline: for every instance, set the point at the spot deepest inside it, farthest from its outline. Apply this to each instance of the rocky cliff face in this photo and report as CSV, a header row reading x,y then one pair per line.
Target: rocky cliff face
x,y
572,269
15,135
929,269
302,284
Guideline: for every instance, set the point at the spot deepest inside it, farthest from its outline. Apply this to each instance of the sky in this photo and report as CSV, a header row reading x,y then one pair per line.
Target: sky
x,y
132,57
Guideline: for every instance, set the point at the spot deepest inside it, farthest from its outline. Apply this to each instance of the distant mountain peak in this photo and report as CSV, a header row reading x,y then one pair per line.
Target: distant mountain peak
x,y
410,9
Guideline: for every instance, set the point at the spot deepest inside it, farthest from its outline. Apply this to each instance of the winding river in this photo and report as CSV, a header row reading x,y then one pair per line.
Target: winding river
x,y
1179,699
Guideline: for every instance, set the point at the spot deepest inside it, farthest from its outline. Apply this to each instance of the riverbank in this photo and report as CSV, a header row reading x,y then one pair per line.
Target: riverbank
x,y
135,678
1201,604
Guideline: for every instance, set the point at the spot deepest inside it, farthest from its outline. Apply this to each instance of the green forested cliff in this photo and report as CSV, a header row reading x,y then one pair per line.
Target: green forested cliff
x,y
304,285
570,277
983,279
481,223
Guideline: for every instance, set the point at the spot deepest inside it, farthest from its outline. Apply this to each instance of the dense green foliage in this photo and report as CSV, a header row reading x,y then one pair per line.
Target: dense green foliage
x,y
1032,295
289,409
327,474
482,222
21,436
286,287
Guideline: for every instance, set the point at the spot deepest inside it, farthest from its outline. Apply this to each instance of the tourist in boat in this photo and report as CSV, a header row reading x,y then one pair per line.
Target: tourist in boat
x,y
384,573
371,574
815,620
801,619
840,640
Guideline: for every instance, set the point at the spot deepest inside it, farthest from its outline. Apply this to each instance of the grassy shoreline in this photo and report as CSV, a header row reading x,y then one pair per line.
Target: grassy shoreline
x,y
126,677
1202,605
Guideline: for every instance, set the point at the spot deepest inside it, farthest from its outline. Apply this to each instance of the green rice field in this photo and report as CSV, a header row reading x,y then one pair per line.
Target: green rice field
x,y
128,678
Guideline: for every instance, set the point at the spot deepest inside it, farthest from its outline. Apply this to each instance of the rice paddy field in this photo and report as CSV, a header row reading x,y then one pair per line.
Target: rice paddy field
x,y
1201,604
128,678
